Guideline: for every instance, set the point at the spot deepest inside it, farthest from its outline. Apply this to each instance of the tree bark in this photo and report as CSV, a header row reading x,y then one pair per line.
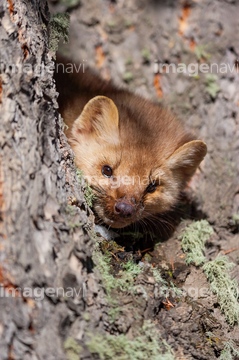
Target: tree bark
x,y
45,222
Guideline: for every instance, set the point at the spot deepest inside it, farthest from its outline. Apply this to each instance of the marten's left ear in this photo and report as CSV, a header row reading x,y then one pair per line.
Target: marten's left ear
x,y
99,118
185,160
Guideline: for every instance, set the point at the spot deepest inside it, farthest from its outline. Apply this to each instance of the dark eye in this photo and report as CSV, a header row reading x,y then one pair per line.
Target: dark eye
x,y
107,171
151,187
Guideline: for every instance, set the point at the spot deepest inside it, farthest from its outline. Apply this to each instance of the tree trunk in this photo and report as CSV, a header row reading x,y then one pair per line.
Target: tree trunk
x,y
45,243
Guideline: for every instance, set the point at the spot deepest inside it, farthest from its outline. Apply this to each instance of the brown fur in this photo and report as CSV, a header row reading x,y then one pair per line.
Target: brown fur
x,y
139,140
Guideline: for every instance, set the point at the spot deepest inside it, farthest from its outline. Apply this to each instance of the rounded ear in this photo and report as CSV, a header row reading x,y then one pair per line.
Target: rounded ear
x,y
99,117
187,158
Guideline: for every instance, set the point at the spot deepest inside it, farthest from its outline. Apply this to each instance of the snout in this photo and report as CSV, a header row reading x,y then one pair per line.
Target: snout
x,y
125,208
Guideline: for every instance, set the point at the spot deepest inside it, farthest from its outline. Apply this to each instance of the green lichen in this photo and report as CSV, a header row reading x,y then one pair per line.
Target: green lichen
x,y
147,344
145,55
58,29
72,349
102,262
111,24
158,277
88,192
113,313
175,290
70,3
147,341
129,61
201,52
165,287
193,242
212,88
128,23
235,219
71,210
124,280
230,351
86,316
74,225
128,76
131,268
225,288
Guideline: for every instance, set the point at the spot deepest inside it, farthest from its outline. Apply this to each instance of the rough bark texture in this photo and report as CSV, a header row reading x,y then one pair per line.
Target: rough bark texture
x,y
40,247
45,223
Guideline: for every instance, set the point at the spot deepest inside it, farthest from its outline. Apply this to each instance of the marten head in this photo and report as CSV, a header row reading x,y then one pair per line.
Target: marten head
x,y
137,158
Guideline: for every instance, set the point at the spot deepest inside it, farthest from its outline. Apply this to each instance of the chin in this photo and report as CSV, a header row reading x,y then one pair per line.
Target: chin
x,y
117,224
114,223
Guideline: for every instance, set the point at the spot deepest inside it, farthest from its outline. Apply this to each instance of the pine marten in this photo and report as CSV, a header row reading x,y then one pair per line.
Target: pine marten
x,y
136,156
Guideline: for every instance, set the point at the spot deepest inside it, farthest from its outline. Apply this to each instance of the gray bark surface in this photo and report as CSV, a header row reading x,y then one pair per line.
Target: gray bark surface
x,y
39,247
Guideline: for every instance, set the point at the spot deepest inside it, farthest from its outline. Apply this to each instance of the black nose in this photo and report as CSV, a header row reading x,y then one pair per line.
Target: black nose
x,y
124,209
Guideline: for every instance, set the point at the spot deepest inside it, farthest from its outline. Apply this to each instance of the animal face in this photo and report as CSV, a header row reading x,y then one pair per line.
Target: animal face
x,y
133,170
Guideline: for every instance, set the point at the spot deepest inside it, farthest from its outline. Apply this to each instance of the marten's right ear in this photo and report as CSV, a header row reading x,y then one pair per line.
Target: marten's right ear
x,y
99,118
